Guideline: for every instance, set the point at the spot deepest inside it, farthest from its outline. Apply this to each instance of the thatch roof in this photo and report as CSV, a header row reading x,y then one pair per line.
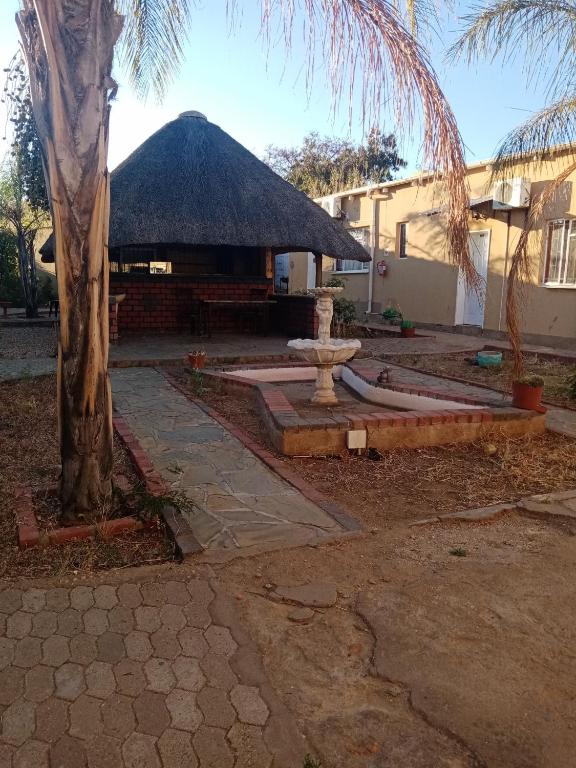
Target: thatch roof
x,y
191,183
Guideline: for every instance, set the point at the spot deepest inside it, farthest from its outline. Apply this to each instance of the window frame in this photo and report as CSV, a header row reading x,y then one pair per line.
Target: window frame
x,y
568,231
401,248
364,267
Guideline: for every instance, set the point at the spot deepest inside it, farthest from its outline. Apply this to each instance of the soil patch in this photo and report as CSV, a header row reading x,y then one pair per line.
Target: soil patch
x,y
29,457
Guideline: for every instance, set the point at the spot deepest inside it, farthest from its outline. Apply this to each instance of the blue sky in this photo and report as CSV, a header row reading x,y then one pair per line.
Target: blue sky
x,y
260,96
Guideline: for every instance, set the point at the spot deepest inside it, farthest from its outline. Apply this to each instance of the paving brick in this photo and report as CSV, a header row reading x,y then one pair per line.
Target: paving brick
x,y
139,751
6,651
70,622
197,615
83,648
86,718
200,592
118,716
39,684
218,671
105,597
159,675
55,651
51,719
249,747
212,748
138,646
70,681
216,707
44,624
183,709
18,625
10,600
34,600
57,599
147,618
129,595
176,593
130,678
100,680
104,752
220,640
121,619
165,643
110,647
172,617
151,713
176,750
188,673
153,593
68,752
249,705
6,753
11,685
192,642
27,652
18,722
96,621
82,598
33,754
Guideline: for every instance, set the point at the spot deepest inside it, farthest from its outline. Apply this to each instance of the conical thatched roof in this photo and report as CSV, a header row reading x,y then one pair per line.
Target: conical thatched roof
x,y
191,183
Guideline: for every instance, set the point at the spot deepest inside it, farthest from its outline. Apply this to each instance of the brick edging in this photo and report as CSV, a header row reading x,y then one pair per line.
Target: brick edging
x,y
276,465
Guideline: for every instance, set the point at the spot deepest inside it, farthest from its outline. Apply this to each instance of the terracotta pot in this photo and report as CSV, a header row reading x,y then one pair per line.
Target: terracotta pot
x,y
407,333
527,397
197,361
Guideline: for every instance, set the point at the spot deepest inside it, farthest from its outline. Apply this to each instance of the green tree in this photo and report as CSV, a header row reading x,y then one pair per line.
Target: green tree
x,y
323,165
69,49
10,285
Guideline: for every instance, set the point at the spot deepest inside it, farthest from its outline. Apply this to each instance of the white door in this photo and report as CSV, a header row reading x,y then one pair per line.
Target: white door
x,y
470,305
281,272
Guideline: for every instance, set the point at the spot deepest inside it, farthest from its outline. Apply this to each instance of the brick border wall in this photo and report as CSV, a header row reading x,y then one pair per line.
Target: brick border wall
x,y
295,316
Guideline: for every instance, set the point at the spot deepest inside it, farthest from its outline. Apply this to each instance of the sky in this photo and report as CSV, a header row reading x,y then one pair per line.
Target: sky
x,y
260,96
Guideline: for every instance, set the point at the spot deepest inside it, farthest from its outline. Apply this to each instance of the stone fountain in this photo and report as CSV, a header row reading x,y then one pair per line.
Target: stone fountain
x,y
325,352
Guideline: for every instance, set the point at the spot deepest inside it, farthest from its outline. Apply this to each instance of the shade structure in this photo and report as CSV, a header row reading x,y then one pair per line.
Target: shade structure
x,y
192,184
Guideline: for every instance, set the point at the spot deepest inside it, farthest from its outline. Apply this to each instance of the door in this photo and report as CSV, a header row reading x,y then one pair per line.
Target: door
x,y
281,272
470,303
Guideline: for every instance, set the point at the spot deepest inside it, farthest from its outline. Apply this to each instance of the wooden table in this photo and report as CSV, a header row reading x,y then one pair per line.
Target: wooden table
x,y
262,307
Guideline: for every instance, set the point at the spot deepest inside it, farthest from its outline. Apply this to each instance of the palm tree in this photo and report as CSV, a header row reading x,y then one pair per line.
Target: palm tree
x,y
69,49
542,31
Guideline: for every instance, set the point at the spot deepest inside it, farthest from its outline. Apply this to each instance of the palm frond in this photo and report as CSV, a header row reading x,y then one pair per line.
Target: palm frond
x,y
540,31
151,45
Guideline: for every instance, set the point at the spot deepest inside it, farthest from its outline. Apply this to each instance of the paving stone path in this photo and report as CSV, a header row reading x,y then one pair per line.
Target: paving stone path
x,y
153,673
237,504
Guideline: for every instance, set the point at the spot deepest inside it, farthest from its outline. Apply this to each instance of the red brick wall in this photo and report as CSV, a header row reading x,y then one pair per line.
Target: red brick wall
x,y
295,316
162,303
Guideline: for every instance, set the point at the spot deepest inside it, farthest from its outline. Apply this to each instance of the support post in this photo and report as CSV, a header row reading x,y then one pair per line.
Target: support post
x,y
318,265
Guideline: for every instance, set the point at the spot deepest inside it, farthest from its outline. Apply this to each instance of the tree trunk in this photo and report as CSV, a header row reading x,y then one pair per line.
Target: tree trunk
x,y
27,267
69,48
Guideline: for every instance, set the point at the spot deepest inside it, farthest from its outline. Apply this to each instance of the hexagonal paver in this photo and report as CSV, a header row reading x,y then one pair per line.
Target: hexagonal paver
x,y
192,642
18,722
39,683
70,622
44,624
82,598
176,750
100,680
139,751
220,640
10,600
110,647
200,592
184,713
212,748
68,752
51,719
28,652
121,619
159,675
218,671
129,595
70,681
96,621
83,648
147,618
176,593
105,597
216,708
104,752
55,651
197,615
18,625
85,718
153,593
138,646
151,713
34,600
165,643
6,651
11,685
172,617
188,673
33,754
118,716
130,678
57,599
249,746
249,704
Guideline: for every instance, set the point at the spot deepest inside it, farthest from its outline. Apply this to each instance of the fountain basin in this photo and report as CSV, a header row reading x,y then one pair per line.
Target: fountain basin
x,y
332,352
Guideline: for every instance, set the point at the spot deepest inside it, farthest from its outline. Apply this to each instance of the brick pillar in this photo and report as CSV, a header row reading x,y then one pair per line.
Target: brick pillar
x,y
113,323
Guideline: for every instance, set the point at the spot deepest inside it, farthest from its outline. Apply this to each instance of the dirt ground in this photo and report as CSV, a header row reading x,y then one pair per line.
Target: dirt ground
x,y
555,374
450,645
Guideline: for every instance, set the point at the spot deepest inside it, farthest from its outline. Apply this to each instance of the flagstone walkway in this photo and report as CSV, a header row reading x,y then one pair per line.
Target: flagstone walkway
x,y
237,505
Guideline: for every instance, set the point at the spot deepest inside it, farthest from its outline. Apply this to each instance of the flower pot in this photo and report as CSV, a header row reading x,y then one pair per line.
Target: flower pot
x,y
407,333
527,397
197,361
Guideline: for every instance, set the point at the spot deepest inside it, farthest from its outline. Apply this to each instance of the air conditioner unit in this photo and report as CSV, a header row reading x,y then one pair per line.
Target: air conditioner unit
x,y
511,193
331,206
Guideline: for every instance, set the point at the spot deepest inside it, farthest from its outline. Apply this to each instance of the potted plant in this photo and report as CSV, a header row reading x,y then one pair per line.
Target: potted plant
x,y
392,315
527,393
197,359
407,329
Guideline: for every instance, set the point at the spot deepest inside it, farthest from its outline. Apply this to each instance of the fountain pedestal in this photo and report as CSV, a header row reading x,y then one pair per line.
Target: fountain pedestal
x,y
325,352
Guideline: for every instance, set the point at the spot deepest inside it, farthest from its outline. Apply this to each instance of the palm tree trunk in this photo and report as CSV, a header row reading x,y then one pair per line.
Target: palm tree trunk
x,y
69,49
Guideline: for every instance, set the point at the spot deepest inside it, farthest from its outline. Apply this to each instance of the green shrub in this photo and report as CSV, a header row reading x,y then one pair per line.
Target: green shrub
x,y
531,380
406,324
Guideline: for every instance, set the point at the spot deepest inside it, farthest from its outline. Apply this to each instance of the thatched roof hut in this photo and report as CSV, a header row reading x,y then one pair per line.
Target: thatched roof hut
x,y
193,184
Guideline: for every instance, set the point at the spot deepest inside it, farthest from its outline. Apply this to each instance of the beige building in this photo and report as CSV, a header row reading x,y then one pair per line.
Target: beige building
x,y
402,224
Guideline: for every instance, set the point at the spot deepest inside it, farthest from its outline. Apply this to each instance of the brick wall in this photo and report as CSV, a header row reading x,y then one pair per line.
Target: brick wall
x,y
295,316
162,303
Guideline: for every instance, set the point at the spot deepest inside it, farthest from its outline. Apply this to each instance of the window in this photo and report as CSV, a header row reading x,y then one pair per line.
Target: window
x,y
561,253
401,239
362,235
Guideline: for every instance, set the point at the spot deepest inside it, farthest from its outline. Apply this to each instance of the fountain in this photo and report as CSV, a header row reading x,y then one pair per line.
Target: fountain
x,y
325,352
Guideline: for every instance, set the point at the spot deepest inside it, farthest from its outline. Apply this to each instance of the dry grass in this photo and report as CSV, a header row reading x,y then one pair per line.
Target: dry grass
x,y
29,456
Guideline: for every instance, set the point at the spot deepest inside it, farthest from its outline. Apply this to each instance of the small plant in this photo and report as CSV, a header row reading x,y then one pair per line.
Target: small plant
x,y
571,385
406,324
309,762
458,552
531,380
392,315
197,381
